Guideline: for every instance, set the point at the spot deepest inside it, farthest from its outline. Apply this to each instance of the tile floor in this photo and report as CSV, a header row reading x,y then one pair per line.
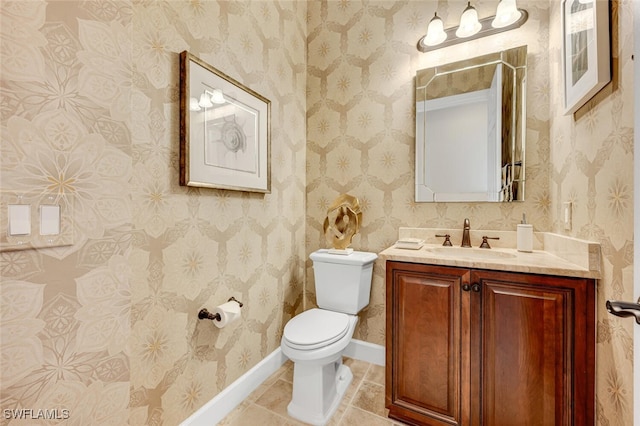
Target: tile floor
x,y
363,403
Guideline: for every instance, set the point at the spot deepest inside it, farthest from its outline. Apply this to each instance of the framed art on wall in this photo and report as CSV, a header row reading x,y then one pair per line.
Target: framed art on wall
x,y
586,53
225,133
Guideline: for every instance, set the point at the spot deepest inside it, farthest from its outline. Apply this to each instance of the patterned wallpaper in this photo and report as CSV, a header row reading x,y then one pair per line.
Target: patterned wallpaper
x,y
361,128
362,60
592,167
107,327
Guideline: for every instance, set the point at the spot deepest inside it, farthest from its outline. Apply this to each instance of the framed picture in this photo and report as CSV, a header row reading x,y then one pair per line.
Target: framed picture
x,y
225,133
585,50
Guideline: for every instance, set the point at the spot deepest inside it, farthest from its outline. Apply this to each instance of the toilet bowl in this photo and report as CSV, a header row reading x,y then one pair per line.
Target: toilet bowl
x,y
315,341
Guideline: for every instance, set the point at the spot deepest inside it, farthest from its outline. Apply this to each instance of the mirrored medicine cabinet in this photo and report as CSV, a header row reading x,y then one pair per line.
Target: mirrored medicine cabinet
x,y
470,129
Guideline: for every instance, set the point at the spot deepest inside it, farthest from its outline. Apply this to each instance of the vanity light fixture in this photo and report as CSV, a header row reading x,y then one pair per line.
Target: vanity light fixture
x,y
507,17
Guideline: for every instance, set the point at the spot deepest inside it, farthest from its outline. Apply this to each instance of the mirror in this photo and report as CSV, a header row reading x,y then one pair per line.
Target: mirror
x,y
470,129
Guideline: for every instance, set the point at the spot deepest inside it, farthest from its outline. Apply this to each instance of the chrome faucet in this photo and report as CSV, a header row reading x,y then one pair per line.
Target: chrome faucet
x,y
466,240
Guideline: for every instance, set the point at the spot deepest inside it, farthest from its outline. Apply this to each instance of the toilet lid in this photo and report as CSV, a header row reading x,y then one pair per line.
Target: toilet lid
x,y
315,328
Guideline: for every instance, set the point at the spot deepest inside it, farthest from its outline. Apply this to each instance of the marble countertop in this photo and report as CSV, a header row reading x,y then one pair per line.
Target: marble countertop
x,y
553,255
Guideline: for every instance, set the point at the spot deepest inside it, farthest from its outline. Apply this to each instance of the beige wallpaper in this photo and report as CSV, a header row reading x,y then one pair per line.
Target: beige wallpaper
x,y
361,128
362,60
107,327
592,167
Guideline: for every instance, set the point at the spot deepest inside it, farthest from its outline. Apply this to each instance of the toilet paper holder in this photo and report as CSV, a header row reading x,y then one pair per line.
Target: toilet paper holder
x,y
205,314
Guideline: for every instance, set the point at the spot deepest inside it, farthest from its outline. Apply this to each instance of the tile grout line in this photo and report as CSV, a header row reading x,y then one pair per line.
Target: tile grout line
x,y
287,418
275,378
374,414
348,403
357,389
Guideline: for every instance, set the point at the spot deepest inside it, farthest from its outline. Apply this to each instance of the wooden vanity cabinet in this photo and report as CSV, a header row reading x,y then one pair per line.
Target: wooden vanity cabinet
x,y
480,347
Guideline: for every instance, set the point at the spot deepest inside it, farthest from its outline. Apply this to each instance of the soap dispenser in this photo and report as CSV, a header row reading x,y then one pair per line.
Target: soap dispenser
x,y
525,235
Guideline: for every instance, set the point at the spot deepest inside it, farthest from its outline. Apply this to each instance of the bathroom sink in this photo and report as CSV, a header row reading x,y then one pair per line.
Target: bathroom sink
x,y
470,253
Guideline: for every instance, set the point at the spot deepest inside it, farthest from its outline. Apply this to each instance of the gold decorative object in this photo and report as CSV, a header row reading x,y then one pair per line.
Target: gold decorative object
x,y
342,221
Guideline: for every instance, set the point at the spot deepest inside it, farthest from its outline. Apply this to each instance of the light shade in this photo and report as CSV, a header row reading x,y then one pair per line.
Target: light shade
x,y
469,24
506,14
435,32
205,101
217,97
193,105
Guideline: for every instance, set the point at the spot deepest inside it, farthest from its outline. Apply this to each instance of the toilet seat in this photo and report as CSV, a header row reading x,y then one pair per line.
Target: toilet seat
x,y
315,328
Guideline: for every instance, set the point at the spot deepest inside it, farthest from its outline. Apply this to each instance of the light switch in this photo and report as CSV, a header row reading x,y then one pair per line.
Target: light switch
x,y
49,219
19,219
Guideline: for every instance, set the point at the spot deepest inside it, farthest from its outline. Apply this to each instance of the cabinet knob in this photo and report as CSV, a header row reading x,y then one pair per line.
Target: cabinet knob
x,y
475,287
466,287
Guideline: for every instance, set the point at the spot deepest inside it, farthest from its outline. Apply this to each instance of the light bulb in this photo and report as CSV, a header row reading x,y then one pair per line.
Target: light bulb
x,y
469,24
435,32
506,14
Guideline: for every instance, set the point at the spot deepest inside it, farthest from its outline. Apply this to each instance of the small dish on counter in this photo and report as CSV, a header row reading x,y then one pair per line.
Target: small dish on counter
x,y
409,243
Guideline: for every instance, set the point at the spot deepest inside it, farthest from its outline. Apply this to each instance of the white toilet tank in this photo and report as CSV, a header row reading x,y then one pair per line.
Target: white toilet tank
x,y
343,282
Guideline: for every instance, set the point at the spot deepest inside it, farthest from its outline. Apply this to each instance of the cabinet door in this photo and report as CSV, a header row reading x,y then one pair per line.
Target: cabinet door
x,y
426,346
537,349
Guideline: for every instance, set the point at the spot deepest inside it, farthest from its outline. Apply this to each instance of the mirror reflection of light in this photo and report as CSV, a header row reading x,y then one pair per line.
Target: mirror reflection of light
x,y
205,101
217,97
193,105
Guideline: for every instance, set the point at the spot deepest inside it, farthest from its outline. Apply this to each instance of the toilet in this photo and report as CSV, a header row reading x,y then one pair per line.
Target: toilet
x,y
315,339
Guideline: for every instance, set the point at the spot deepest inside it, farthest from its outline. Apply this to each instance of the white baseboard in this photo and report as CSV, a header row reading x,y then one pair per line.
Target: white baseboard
x,y
365,351
222,404
231,396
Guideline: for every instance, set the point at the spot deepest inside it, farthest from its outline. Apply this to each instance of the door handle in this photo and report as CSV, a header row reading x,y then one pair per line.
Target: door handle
x,y
624,309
